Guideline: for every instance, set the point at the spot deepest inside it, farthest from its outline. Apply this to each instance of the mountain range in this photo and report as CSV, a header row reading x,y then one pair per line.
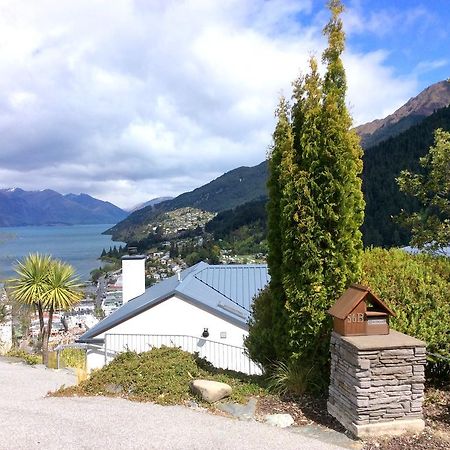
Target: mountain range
x,y
391,144
47,207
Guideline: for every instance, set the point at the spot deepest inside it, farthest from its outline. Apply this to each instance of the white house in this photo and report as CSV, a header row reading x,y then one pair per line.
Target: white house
x,y
204,308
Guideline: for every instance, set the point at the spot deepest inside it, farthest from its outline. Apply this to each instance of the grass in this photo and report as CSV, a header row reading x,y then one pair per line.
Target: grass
x,y
162,376
287,378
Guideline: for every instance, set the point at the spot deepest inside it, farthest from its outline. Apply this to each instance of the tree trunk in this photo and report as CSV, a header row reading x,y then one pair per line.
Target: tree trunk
x,y
46,337
41,325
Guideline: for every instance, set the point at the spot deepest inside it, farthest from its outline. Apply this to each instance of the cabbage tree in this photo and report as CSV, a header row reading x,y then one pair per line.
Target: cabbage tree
x,y
47,284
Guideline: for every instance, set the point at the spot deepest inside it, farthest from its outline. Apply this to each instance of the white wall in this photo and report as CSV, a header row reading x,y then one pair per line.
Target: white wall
x,y
95,357
177,316
133,277
5,337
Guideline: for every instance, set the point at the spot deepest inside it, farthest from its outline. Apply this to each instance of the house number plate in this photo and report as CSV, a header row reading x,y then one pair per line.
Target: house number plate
x,y
355,317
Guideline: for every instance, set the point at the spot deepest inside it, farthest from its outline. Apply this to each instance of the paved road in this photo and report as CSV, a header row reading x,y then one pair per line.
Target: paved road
x,y
29,420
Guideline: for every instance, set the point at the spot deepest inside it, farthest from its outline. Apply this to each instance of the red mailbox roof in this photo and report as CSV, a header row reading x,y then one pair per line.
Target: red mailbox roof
x,y
348,301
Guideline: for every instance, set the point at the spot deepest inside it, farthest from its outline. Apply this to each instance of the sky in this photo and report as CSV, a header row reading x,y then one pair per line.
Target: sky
x,y
128,100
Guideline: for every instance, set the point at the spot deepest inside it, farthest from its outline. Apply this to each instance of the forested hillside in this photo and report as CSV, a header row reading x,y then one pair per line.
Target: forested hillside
x,y
382,164
232,189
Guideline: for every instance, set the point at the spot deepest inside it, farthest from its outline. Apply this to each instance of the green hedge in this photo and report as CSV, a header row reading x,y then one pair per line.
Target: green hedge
x,y
417,288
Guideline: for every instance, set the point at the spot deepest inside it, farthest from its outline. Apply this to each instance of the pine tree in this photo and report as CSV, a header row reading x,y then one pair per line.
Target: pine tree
x,y
283,144
343,156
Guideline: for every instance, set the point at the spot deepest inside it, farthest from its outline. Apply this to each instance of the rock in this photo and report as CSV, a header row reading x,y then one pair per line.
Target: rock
x,y
112,388
210,391
279,420
195,406
241,412
191,404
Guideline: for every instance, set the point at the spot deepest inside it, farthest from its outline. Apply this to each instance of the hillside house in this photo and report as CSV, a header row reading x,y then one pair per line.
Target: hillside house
x,y
204,309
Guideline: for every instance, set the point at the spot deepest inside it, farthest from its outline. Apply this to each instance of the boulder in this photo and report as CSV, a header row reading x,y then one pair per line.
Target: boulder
x,y
279,420
210,391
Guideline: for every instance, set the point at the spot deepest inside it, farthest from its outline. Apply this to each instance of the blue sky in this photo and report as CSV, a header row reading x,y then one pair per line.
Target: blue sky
x,y
414,34
134,99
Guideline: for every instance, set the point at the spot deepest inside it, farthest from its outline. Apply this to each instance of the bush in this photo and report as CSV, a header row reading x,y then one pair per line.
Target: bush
x,y
68,357
260,341
29,358
417,288
161,375
73,357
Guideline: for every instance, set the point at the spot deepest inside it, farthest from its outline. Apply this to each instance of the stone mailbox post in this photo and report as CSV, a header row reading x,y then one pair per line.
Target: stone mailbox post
x,y
377,374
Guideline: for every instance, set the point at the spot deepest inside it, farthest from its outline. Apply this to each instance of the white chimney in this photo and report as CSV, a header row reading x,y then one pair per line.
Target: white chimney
x,y
133,276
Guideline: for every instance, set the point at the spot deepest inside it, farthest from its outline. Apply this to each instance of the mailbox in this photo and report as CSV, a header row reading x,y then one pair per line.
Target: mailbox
x,y
359,312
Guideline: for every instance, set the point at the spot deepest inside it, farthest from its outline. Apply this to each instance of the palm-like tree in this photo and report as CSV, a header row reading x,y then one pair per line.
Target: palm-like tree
x,y
47,284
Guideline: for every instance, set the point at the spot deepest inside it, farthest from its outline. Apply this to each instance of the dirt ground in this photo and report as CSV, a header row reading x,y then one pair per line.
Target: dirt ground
x,y
307,410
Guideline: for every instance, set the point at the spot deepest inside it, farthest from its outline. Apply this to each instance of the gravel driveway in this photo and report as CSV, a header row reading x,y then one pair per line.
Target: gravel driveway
x,y
29,420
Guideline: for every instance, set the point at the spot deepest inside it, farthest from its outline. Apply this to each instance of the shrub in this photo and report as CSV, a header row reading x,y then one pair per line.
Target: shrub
x,y
73,357
69,357
29,358
417,288
161,375
260,341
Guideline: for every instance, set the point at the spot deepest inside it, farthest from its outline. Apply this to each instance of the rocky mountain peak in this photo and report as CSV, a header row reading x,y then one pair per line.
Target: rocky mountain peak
x,y
432,98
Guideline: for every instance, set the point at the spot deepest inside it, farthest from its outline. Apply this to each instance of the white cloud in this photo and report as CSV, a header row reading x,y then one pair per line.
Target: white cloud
x,y
129,100
382,21
373,89
429,66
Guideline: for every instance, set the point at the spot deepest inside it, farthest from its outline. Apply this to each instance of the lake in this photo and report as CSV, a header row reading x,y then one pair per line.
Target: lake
x,y
79,245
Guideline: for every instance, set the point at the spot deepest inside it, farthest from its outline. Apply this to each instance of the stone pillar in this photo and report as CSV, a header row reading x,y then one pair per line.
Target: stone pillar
x,y
377,383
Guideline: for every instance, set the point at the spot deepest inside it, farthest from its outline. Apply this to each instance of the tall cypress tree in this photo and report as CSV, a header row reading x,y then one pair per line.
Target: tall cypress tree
x,y
315,212
282,148
267,341
301,221
343,156
324,206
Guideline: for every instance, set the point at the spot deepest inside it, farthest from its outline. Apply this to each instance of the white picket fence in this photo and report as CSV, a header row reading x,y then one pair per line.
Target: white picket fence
x,y
220,355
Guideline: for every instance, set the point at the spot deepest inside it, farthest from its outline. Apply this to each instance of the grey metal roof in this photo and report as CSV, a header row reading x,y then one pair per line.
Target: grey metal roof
x,y
225,290
238,283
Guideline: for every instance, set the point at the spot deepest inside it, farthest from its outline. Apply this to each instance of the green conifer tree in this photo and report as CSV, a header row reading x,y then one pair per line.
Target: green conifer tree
x,y
315,212
322,204
343,155
267,338
301,220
